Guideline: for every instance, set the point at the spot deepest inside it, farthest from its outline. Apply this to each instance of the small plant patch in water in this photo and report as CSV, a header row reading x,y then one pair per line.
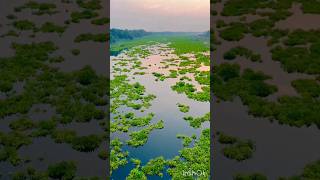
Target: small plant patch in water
x,y
183,108
139,138
196,122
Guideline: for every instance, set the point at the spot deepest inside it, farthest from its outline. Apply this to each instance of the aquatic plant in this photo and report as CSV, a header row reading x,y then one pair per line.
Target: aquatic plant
x,y
140,137
195,158
183,108
196,122
155,166
91,37
241,51
86,143
62,170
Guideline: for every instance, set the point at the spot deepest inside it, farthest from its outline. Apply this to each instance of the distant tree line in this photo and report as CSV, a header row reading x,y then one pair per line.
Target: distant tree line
x,y
119,34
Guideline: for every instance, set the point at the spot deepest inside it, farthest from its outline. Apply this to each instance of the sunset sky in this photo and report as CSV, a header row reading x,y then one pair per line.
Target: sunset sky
x,y
161,15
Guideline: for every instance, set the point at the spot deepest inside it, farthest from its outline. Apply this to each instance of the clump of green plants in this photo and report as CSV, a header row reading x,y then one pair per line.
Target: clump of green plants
x,y
86,143
297,55
234,32
183,45
159,76
91,37
90,4
241,51
63,136
86,14
136,174
186,140
236,148
155,167
75,52
38,8
240,151
29,173
100,21
226,139
183,108
21,124
62,170
120,88
196,122
50,27
307,87
117,156
196,158
310,171
139,138
24,25
104,154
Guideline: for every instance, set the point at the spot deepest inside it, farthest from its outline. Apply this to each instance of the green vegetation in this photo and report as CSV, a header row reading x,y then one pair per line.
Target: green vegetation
x,y
196,122
24,25
296,56
86,14
240,151
190,91
241,51
236,149
136,174
235,32
117,35
307,87
140,137
117,156
155,166
104,154
183,108
75,52
63,170
183,45
38,8
196,158
310,171
90,4
186,140
91,37
50,27
86,143
21,124
100,21
226,139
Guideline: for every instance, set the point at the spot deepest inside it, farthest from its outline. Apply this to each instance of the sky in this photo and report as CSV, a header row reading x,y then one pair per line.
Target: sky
x,y
161,15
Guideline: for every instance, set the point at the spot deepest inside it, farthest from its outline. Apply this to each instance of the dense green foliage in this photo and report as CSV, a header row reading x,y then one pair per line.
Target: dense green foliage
x,y
91,37
310,171
63,170
196,158
38,8
119,34
236,148
241,51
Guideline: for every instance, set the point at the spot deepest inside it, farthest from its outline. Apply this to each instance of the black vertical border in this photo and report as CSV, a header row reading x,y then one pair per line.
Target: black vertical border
x,y
108,76
212,129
